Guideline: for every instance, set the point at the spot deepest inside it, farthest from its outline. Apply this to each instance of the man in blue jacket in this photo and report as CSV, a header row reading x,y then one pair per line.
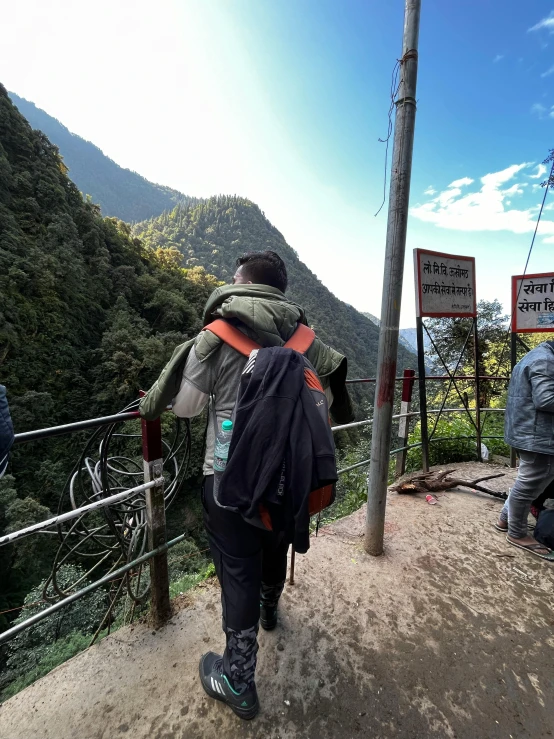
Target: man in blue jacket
x,y
529,428
6,431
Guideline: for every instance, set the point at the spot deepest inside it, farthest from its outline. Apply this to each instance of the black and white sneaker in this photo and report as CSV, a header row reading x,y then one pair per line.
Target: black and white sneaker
x,y
217,685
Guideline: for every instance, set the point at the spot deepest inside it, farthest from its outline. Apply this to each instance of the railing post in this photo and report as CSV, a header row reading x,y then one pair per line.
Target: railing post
x,y
155,520
404,424
421,371
477,390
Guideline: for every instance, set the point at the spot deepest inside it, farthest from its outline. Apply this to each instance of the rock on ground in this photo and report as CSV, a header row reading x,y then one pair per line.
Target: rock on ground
x,y
443,636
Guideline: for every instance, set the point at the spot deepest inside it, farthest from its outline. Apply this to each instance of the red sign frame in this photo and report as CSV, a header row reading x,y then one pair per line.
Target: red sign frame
x,y
419,294
515,297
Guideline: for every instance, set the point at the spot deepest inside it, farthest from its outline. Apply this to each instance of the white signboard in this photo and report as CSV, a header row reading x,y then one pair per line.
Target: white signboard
x,y
445,285
533,303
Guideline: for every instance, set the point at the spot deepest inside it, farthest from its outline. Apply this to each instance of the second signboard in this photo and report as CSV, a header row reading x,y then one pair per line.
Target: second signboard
x,y
533,303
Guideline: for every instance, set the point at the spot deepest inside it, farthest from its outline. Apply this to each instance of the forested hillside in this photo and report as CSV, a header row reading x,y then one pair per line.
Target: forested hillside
x,y
88,316
119,192
213,233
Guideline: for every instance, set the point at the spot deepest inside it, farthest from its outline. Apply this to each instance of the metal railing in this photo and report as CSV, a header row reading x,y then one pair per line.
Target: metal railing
x,y
76,512
408,380
153,488
155,519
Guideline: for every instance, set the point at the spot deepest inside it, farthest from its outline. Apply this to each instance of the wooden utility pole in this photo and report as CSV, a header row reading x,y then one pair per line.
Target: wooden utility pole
x,y
399,197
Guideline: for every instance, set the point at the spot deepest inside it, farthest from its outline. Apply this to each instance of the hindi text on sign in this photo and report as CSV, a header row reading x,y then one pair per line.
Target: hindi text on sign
x,y
445,284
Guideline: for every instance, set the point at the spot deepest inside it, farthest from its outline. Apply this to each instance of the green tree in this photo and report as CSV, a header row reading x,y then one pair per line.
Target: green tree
x,y
493,355
81,618
89,314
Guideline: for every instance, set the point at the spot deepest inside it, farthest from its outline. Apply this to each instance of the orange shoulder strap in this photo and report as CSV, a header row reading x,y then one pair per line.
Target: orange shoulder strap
x,y
232,336
301,340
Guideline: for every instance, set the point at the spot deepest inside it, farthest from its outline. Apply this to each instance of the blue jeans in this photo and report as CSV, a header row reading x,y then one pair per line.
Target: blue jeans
x,y
535,473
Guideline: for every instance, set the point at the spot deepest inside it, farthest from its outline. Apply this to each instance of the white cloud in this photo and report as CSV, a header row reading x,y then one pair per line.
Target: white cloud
x,y
547,23
488,209
498,58
515,189
541,111
548,72
462,182
538,109
430,190
541,171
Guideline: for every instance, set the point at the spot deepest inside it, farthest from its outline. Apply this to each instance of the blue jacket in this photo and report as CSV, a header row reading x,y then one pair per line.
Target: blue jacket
x,y
6,430
529,423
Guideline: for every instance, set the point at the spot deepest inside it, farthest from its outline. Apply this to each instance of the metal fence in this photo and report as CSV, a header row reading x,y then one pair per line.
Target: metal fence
x,y
153,488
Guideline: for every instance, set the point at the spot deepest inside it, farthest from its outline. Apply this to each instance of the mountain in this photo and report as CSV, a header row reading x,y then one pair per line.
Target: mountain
x,y
213,233
407,336
119,192
410,337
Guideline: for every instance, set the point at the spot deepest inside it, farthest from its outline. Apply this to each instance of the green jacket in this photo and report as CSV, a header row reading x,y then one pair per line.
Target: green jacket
x,y
268,318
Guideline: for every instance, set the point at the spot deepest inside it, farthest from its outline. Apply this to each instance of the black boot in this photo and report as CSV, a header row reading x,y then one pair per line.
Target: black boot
x,y
268,605
218,685
268,617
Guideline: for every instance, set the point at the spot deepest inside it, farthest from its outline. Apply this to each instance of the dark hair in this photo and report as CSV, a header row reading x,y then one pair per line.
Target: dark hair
x,y
264,268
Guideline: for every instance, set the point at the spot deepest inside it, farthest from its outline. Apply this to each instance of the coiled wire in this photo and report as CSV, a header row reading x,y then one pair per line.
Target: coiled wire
x,y
111,462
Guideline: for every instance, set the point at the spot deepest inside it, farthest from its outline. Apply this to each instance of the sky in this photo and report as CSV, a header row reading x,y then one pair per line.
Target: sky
x,y
284,103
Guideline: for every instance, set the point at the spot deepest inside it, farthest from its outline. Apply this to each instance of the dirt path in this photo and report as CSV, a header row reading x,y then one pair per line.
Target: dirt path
x,y
440,637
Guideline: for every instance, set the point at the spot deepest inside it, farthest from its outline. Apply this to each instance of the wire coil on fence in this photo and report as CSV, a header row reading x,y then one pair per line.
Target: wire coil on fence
x,y
116,534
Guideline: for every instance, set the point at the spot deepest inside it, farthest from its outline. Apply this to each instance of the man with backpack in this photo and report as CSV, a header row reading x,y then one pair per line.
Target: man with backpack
x,y
278,440
529,428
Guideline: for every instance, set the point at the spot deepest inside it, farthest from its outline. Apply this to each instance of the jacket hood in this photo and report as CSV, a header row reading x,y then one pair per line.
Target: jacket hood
x,y
268,315
270,319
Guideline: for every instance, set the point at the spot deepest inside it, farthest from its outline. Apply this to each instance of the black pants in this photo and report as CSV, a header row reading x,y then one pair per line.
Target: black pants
x,y
245,557
251,565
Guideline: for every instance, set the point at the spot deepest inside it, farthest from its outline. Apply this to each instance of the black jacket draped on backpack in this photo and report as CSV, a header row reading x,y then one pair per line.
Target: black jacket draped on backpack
x,y
282,445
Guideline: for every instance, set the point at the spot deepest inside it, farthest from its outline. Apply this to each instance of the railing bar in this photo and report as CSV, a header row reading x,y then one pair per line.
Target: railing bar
x,y
465,410
406,448
10,633
414,446
68,428
77,512
353,466
414,414
434,378
351,425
